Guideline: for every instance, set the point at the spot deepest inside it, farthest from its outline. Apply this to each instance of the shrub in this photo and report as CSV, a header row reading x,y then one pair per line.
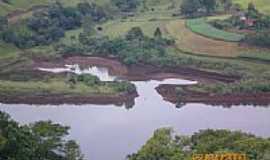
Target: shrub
x,y
124,87
89,80
261,39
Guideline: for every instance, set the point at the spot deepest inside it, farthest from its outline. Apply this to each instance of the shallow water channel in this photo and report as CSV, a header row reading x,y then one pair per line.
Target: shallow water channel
x,y
108,132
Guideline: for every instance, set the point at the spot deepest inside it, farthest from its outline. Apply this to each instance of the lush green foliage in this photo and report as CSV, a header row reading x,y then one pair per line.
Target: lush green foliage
x,y
50,25
3,23
261,56
133,48
83,85
41,140
126,5
167,146
161,146
142,49
261,39
201,27
194,8
93,81
262,5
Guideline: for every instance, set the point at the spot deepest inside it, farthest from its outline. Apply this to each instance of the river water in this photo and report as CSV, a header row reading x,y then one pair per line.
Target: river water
x,y
108,132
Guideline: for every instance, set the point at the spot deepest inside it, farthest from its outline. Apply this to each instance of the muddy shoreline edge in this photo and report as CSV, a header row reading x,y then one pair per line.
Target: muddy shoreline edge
x,y
168,92
118,100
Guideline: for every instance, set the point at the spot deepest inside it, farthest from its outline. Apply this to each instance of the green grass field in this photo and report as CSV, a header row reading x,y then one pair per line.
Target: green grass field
x,y
262,5
7,50
261,56
115,29
200,26
53,87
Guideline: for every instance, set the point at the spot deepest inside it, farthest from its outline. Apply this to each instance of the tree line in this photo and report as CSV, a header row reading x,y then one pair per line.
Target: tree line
x,y
49,25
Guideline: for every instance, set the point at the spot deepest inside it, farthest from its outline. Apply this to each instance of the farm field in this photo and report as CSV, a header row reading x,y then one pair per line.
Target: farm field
x,y
200,26
115,29
261,56
189,41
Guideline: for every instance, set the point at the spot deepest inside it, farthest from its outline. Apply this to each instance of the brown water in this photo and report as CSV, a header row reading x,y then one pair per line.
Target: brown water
x,y
112,132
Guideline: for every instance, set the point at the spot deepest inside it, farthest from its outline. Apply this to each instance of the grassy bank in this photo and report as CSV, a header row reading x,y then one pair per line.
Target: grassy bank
x,y
7,50
242,87
84,85
260,56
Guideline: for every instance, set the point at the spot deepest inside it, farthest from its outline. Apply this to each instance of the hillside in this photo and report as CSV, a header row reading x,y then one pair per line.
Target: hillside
x,y
158,5
24,4
262,5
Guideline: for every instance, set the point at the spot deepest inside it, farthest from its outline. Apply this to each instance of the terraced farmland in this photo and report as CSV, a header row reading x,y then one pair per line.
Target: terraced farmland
x,y
200,26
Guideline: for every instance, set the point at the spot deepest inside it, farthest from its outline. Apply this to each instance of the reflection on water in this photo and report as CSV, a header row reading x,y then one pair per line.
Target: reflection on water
x,y
100,72
110,132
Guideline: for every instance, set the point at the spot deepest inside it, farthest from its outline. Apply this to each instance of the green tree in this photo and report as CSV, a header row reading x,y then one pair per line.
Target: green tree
x,y
71,151
126,5
158,33
88,26
190,7
167,146
41,140
135,33
161,146
209,5
3,23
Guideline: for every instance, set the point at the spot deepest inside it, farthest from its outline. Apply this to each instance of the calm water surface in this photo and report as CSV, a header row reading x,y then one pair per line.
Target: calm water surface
x,y
112,132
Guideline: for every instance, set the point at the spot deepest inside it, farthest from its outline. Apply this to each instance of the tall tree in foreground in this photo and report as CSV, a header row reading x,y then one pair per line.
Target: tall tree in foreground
x,y
38,141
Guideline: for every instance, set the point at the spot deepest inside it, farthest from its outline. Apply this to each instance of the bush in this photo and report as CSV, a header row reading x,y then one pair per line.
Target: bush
x,y
125,87
89,80
166,145
261,39
243,86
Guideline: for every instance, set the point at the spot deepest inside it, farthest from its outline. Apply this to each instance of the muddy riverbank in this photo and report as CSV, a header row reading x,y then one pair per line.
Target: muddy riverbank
x,y
169,94
57,99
